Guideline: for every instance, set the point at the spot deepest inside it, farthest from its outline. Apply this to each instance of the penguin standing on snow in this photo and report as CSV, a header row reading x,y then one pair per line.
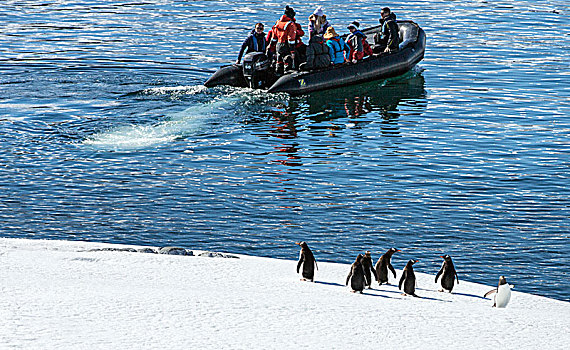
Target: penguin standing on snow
x,y
307,259
367,264
357,277
383,264
409,279
503,291
449,274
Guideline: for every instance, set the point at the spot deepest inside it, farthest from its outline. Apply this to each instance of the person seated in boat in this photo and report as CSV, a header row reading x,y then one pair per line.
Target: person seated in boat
x,y
317,54
356,40
388,39
255,42
337,46
318,23
285,39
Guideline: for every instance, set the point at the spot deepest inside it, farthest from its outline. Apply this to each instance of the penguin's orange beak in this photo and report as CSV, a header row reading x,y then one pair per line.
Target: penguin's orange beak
x,y
298,243
398,250
441,256
417,260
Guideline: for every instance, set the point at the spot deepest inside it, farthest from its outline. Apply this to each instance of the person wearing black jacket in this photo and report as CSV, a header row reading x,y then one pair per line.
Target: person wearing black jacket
x,y
388,39
255,42
317,54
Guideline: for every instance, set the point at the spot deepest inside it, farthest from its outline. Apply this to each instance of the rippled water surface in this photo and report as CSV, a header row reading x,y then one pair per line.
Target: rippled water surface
x,y
107,134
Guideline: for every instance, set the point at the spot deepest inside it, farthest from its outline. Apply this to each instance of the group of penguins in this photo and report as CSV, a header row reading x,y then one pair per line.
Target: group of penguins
x,y
361,271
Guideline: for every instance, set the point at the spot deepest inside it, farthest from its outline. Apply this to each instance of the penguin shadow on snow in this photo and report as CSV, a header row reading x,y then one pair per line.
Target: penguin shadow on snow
x,y
329,283
378,295
470,295
433,299
334,284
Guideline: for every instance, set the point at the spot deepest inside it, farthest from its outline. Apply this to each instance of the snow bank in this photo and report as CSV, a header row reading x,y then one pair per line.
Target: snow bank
x,y
63,295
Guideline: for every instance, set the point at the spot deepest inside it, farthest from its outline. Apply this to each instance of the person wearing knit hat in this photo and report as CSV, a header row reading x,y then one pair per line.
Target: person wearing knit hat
x,y
354,25
285,36
318,23
336,45
289,12
356,40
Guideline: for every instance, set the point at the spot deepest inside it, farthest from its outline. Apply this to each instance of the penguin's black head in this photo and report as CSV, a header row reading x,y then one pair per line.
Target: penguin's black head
x,y
367,254
393,250
446,257
303,244
502,280
359,258
412,261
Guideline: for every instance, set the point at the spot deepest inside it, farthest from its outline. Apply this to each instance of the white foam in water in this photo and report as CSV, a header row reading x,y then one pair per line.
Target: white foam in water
x,y
176,90
177,125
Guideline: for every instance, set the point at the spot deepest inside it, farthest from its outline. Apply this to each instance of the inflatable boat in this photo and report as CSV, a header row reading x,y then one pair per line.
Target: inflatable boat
x,y
255,71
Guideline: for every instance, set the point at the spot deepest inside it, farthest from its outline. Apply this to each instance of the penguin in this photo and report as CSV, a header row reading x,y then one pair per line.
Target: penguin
x,y
367,264
383,265
356,276
503,291
409,279
449,274
307,259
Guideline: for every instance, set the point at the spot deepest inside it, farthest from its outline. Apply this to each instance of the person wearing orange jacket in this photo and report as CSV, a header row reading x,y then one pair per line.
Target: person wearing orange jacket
x,y
285,38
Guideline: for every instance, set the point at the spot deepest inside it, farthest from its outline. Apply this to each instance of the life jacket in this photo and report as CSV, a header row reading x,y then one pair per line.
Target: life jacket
x,y
285,30
338,50
254,42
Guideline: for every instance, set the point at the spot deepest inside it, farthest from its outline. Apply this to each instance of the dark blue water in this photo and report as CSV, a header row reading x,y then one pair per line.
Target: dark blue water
x,y
106,134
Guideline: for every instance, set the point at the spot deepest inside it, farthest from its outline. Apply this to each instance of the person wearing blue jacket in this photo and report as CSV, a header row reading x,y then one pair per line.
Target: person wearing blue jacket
x,y
255,42
336,45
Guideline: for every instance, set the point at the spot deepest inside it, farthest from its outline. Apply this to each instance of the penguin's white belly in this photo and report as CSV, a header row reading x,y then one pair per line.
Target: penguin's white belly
x,y
503,295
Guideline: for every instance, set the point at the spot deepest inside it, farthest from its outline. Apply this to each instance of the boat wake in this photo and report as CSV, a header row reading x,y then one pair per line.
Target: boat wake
x,y
211,109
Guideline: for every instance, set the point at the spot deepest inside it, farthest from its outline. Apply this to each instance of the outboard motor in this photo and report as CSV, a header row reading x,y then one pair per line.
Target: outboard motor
x,y
255,69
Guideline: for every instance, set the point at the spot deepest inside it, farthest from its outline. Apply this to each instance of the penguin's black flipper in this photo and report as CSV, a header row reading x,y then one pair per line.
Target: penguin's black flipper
x,y
457,277
489,293
392,269
301,258
438,274
348,277
366,281
402,279
375,274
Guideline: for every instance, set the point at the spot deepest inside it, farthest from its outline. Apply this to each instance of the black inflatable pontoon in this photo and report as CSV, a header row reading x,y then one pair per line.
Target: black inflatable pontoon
x,y
386,65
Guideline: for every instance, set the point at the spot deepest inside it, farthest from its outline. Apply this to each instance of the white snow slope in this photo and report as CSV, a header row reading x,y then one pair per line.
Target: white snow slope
x,y
59,295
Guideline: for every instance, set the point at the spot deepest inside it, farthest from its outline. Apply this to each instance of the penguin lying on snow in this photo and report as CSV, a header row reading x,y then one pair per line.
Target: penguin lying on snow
x,y
449,274
503,291
357,276
409,279
383,265
367,265
307,259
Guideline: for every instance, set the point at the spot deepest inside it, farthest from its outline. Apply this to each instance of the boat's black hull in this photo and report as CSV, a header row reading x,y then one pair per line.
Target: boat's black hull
x,y
298,83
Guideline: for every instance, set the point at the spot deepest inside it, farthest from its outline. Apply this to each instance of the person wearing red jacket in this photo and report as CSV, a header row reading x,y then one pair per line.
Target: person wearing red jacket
x,y
285,38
